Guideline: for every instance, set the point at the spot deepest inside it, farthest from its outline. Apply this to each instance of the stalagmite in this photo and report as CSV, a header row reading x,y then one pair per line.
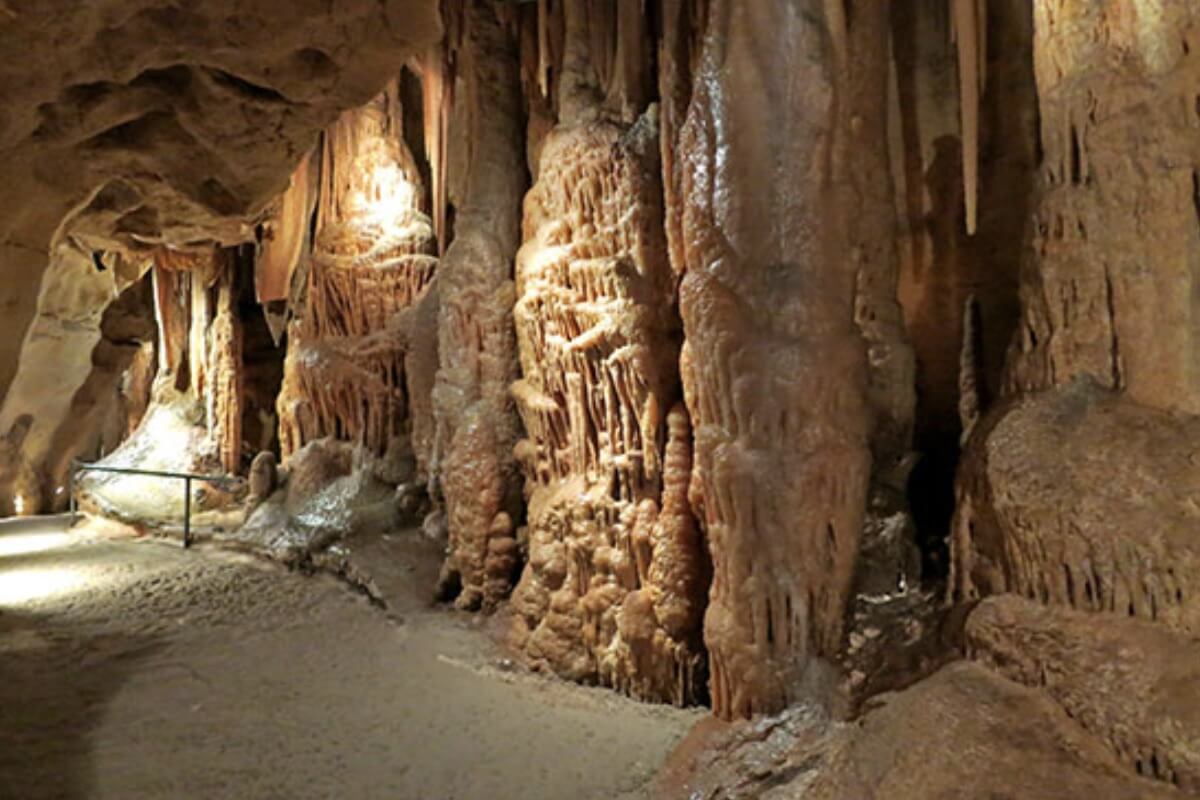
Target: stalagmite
x,y
774,366
612,589
477,425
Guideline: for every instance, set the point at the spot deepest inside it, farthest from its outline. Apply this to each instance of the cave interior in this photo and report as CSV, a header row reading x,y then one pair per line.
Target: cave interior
x,y
737,356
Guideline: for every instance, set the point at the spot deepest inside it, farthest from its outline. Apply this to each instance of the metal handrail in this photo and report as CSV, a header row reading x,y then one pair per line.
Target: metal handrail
x,y
186,477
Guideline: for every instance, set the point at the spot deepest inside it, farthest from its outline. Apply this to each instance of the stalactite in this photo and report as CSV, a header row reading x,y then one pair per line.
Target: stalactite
x,y
173,311
969,33
285,242
1072,493
225,390
201,316
438,76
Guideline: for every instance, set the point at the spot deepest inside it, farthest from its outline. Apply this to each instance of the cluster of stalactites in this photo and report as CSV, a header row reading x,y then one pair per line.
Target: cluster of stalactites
x,y
372,256
200,340
613,592
615,54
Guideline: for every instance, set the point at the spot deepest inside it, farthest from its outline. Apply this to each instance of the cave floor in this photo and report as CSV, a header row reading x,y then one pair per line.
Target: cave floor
x,y
130,668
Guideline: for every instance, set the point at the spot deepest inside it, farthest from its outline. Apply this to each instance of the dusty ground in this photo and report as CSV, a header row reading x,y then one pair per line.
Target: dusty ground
x,y
133,669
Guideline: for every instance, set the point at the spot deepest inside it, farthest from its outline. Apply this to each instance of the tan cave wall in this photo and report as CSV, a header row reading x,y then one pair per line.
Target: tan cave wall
x,y
151,123
1076,490
1111,293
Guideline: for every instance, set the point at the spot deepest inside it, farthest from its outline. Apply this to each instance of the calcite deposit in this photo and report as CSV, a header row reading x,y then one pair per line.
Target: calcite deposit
x,y
477,426
1047,513
777,380
131,124
827,362
372,257
613,588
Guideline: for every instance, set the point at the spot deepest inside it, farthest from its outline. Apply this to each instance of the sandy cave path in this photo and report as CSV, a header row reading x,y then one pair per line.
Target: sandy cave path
x,y
134,669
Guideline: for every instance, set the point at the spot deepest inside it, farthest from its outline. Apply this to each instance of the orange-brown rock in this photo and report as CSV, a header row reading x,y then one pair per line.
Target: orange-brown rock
x,y
963,732
1049,511
784,237
1128,682
610,549
372,258
477,424
1109,291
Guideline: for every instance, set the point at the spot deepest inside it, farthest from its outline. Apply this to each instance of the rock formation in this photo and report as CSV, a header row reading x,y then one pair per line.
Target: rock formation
x,y
372,258
155,124
773,355
775,216
613,587
1128,681
476,422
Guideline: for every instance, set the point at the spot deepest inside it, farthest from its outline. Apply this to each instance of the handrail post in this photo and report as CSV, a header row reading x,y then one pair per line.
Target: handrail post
x,y
187,513
71,494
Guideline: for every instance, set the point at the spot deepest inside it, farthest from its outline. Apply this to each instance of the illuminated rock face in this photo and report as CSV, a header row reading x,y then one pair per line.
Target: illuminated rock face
x,y
613,590
158,123
372,258
631,319
1073,492
614,584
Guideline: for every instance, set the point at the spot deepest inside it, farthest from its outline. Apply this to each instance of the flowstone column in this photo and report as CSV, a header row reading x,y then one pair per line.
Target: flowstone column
x,y
477,423
774,365
614,588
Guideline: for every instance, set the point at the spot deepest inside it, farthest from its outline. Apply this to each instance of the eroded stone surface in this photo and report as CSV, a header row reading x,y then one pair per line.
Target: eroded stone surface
x,y
1129,682
965,732
1049,511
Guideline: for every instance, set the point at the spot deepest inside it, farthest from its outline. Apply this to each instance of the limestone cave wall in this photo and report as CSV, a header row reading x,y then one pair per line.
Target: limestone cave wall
x,y
734,351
